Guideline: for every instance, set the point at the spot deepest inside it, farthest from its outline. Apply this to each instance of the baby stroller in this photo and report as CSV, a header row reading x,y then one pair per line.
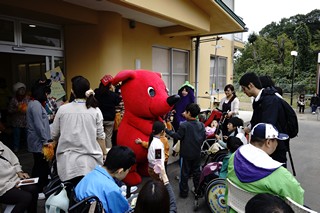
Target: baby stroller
x,y
215,115
206,148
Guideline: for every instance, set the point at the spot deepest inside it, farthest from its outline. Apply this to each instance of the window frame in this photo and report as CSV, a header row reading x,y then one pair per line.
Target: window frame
x,y
170,72
217,73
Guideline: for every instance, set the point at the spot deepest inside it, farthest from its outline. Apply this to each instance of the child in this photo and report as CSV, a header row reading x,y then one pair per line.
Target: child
x,y
101,181
191,135
233,124
166,146
210,130
233,143
156,149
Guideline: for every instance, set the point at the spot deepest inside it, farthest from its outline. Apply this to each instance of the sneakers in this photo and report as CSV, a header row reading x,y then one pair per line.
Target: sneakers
x,y
313,113
132,188
124,190
41,196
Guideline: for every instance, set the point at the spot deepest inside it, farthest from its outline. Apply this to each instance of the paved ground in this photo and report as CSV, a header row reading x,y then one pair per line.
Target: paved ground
x,y
305,151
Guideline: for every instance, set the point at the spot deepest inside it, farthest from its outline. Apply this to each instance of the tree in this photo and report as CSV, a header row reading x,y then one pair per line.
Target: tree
x,y
303,41
268,53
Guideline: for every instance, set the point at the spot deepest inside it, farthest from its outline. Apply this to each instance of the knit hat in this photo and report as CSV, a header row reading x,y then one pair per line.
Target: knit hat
x,y
18,85
267,131
105,80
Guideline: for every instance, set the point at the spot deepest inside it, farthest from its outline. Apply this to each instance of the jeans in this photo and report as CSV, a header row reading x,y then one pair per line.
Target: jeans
x,y
313,108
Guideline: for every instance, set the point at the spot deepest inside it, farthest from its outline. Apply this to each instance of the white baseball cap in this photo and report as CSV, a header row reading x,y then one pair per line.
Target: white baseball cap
x,y
267,131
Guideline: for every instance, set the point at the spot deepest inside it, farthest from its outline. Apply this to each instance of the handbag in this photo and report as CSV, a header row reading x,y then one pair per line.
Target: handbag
x,y
57,201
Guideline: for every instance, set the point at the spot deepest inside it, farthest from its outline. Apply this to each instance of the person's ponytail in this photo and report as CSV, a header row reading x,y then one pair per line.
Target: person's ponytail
x,y
91,101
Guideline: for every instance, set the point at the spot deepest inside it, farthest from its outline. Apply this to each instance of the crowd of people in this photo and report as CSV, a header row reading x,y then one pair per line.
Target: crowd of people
x,y
82,131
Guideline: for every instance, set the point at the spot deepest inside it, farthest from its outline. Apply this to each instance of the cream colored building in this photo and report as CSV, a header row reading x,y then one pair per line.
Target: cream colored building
x,y
97,37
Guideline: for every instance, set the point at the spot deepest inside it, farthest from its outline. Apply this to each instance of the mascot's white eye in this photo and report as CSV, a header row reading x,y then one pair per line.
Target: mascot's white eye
x,y
151,91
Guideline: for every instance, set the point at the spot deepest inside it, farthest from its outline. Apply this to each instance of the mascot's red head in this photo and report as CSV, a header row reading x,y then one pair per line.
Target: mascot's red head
x,y
146,99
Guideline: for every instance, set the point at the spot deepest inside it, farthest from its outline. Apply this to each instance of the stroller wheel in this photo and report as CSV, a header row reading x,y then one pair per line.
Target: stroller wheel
x,y
196,205
215,195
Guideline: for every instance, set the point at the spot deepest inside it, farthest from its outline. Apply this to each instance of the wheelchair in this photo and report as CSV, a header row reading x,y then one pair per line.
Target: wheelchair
x,y
210,185
214,193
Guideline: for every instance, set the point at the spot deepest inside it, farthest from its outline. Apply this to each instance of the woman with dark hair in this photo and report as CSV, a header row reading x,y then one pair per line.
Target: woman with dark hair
x,y
108,100
156,196
78,128
229,106
301,103
266,81
186,93
38,134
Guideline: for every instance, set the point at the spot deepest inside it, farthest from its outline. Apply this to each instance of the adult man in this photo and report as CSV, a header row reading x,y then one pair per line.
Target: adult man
x,y
100,182
252,169
314,102
267,108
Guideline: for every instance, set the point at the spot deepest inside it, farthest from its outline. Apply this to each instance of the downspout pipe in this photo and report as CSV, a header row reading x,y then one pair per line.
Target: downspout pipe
x,y
197,44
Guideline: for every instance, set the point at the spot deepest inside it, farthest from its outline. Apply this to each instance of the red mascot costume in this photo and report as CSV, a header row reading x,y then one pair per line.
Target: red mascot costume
x,y
146,99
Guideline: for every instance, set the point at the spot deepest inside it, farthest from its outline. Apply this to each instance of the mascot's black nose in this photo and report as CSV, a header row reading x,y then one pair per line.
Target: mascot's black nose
x,y
173,99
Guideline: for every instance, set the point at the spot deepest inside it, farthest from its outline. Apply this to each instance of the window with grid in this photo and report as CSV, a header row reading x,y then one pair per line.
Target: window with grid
x,y
218,73
174,66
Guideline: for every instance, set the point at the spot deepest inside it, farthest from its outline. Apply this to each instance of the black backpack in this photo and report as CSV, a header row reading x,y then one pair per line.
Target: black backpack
x,y
291,125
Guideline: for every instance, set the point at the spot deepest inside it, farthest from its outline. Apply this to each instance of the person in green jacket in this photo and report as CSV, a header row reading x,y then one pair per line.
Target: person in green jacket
x,y
252,169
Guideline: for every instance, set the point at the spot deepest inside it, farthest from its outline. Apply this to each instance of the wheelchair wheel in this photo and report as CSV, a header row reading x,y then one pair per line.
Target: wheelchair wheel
x,y
215,195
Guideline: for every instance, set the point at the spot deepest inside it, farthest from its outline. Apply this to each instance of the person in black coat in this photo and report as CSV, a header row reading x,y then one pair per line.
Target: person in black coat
x,y
267,108
314,103
108,100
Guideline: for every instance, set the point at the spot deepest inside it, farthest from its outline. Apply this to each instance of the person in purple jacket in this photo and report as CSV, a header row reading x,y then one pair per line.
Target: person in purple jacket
x,y
186,93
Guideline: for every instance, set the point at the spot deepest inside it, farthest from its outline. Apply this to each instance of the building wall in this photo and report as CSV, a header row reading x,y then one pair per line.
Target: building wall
x,y
111,45
207,50
138,42
93,50
97,43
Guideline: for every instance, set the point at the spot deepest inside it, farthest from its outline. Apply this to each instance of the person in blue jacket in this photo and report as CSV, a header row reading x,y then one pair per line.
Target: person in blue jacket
x,y
101,181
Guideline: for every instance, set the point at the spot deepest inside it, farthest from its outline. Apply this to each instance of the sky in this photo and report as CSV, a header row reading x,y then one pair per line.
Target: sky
x,y
257,14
